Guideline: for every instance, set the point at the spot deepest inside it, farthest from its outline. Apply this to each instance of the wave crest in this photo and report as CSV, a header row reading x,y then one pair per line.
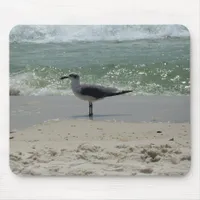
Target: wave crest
x,y
57,34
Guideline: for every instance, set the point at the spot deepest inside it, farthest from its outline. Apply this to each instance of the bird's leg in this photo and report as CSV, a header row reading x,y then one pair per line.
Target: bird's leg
x,y
90,109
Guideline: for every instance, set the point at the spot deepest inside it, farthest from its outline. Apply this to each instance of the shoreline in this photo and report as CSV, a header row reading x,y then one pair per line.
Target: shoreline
x,y
128,136
26,111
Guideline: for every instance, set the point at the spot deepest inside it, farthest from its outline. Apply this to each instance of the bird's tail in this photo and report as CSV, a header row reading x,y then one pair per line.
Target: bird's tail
x,y
119,93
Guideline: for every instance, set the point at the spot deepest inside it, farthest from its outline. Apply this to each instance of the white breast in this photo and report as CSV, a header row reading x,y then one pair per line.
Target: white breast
x,y
76,90
84,97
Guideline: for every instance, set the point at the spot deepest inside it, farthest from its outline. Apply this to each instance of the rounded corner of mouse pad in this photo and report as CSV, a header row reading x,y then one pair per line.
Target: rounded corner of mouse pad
x,y
109,100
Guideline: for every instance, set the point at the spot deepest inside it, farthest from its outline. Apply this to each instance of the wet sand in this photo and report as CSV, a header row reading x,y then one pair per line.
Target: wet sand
x,y
26,111
128,136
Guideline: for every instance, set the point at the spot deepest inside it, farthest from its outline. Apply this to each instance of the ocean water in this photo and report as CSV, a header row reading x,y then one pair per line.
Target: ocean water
x,y
151,60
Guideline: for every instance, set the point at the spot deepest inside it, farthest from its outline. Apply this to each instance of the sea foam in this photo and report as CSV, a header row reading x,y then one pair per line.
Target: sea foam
x,y
59,34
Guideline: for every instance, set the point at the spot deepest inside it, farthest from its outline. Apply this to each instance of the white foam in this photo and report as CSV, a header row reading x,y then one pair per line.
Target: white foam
x,y
27,84
46,34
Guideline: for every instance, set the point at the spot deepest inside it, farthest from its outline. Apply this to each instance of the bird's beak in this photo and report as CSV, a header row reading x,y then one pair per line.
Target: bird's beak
x,y
64,77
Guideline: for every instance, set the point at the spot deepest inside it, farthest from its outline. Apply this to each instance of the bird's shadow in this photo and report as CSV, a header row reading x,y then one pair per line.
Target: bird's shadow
x,y
98,116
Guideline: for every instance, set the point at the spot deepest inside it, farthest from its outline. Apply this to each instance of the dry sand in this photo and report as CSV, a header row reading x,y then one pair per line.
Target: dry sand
x,y
85,147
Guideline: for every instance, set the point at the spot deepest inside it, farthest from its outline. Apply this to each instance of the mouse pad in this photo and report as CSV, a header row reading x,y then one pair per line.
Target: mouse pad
x,y
102,100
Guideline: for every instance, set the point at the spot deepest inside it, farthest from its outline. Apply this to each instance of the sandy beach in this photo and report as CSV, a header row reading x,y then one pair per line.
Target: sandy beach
x,y
129,136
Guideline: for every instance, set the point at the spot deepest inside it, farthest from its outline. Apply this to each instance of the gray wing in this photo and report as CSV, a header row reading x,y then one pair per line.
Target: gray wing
x,y
97,91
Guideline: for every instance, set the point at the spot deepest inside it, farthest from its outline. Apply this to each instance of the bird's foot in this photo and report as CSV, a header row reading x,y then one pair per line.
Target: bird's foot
x,y
91,115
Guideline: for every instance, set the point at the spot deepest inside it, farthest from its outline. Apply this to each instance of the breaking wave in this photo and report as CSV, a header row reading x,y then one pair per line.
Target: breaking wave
x,y
45,81
59,34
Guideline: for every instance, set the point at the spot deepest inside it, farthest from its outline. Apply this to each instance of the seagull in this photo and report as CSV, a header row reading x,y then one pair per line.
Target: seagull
x,y
91,93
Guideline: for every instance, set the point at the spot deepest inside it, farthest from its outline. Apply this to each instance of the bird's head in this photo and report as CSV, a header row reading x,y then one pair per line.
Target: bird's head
x,y
72,77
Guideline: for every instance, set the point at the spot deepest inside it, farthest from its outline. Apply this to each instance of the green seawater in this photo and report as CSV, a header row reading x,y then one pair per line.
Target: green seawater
x,y
149,67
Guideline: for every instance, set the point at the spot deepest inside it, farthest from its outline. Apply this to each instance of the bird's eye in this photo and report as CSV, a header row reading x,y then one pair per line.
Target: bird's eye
x,y
73,76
